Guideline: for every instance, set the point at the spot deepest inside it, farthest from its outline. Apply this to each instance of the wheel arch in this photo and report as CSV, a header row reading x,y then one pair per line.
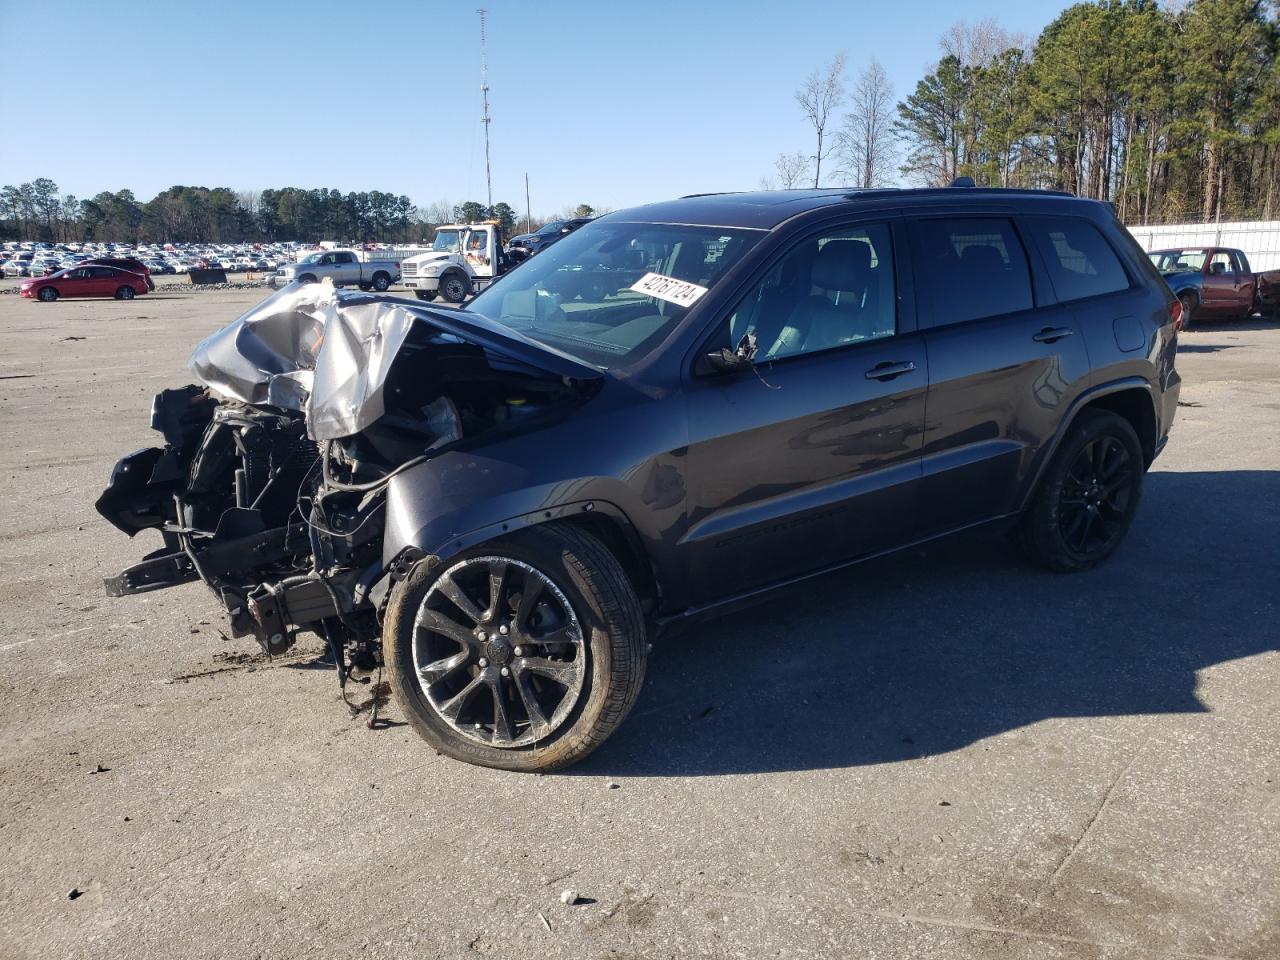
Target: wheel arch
x,y
604,520
1131,398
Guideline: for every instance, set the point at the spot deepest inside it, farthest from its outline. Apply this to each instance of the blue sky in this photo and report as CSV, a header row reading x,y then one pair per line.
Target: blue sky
x,y
602,102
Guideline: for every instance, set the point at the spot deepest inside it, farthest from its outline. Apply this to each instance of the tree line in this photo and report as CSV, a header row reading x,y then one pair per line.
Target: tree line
x,y
39,211
1170,113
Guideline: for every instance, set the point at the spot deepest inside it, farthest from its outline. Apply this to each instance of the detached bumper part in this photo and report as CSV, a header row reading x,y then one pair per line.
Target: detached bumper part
x,y
158,570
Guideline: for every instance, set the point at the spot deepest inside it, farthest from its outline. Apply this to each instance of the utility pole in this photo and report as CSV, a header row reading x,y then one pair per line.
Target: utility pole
x,y
528,207
484,91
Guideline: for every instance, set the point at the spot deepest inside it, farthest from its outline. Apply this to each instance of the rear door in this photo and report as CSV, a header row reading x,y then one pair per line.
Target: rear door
x,y
1005,362
103,281
348,268
813,456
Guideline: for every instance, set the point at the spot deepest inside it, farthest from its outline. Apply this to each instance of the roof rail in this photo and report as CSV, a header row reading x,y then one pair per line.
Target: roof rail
x,y
963,182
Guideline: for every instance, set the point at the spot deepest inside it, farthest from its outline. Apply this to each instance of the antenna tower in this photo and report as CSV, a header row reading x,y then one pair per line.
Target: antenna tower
x,y
484,92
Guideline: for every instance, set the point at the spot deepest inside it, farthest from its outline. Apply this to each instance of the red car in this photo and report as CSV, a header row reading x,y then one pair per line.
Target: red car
x,y
92,281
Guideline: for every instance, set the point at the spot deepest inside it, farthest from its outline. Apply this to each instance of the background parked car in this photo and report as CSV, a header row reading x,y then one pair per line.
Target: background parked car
x,y
131,264
90,281
527,244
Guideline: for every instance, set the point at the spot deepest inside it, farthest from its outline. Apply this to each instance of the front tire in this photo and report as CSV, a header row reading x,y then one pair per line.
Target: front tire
x,y
1189,304
425,294
1088,496
124,293
47,294
567,607
454,288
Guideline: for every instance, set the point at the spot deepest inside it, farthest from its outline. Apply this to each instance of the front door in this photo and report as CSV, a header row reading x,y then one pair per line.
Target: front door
x,y
1223,282
812,456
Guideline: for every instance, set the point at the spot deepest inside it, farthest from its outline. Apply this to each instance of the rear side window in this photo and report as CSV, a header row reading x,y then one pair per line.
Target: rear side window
x,y
1080,261
973,268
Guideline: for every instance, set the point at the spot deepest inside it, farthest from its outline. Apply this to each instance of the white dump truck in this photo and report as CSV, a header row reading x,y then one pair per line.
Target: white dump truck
x,y
464,259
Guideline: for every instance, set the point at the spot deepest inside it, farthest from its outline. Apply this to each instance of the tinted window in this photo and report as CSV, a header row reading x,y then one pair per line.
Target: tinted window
x,y
973,268
102,272
829,291
1080,261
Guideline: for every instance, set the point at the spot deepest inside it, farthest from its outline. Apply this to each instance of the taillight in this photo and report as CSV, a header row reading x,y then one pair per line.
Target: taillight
x,y
1175,314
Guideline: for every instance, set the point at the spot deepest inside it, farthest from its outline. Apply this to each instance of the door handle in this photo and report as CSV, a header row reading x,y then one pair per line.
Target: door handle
x,y
889,369
1052,334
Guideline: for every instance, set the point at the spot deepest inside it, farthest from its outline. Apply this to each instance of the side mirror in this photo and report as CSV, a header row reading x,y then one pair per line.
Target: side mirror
x,y
741,357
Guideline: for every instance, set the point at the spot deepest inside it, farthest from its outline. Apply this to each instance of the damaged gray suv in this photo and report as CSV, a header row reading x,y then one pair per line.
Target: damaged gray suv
x,y
670,412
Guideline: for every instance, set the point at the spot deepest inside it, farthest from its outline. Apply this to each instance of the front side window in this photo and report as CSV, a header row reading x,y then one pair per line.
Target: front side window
x,y
1221,263
1080,261
828,291
610,292
973,268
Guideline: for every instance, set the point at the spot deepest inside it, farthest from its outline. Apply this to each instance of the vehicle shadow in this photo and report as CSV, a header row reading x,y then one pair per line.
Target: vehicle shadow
x,y
931,651
1257,321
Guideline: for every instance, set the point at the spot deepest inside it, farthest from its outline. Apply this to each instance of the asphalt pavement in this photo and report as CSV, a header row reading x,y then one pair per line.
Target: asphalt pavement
x,y
945,754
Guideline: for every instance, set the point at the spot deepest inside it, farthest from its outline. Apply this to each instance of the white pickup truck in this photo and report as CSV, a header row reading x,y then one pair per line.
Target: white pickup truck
x,y
344,267
464,259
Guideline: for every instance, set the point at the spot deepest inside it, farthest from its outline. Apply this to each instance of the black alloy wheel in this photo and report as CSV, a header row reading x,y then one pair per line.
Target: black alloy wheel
x,y
48,294
124,293
1088,496
1095,497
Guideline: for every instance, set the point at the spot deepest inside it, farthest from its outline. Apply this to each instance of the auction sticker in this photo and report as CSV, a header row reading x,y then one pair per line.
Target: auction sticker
x,y
679,292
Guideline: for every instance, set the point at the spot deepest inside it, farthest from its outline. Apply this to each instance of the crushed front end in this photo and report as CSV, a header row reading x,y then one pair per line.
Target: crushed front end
x,y
270,485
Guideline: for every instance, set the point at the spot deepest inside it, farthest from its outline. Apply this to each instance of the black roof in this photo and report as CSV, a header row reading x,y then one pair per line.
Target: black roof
x,y
765,209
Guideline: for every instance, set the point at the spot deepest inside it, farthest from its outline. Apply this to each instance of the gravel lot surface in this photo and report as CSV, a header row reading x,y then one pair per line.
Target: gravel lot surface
x,y
943,755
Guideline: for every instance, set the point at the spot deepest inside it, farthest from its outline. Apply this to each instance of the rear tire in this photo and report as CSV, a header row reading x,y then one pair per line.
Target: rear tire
x,y
124,293
1189,304
1088,496
585,583
47,294
381,281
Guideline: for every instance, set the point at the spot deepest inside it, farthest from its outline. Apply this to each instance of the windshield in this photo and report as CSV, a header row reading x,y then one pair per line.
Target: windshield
x,y
446,241
552,227
1177,261
314,258
580,295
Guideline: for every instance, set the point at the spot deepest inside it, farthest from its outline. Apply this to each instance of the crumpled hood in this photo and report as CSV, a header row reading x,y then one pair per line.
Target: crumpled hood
x,y
327,353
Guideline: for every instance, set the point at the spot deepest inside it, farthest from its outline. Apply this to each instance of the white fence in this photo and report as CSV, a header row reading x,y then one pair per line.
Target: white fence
x,y
1259,239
